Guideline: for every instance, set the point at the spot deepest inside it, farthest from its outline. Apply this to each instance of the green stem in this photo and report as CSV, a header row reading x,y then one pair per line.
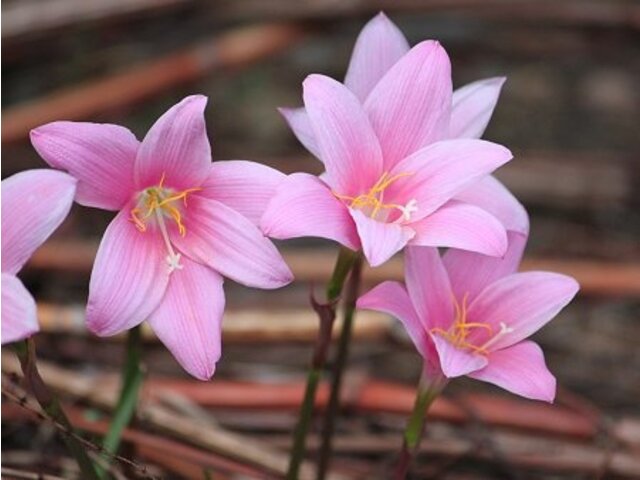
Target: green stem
x,y
26,351
326,313
328,425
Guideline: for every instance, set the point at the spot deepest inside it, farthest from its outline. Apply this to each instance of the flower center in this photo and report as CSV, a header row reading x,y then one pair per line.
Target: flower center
x,y
372,203
157,204
458,333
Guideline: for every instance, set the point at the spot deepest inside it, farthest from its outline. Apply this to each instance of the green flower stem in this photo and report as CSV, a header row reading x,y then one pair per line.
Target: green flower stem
x,y
132,377
328,425
344,263
26,351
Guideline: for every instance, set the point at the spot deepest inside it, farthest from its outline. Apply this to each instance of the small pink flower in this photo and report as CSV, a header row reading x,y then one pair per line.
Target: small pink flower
x,y
182,223
402,158
472,314
34,204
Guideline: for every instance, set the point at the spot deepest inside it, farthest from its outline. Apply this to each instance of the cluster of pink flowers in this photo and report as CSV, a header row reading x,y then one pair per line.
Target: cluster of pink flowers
x,y
404,170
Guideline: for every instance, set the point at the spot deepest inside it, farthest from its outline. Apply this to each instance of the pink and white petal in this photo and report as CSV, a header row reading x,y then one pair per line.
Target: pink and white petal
x,y
176,148
491,195
189,319
348,145
100,156
410,106
34,204
380,241
129,277
523,302
378,47
300,125
464,226
520,369
19,319
471,272
223,239
304,206
435,174
247,187
391,298
456,362
473,106
428,286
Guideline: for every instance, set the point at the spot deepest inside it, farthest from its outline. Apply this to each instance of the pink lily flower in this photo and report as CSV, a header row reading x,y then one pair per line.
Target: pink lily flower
x,y
395,174
183,222
34,204
469,314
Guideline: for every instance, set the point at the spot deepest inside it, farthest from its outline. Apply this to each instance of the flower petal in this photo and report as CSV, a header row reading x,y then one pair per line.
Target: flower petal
x,y
491,195
460,225
409,108
380,241
440,171
473,106
520,369
300,125
391,298
348,145
176,148
524,302
378,47
428,286
247,187
305,207
19,319
100,156
221,238
456,362
471,272
129,277
34,204
189,318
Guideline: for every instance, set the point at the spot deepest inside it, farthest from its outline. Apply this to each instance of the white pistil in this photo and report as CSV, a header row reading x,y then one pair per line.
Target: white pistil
x,y
504,329
407,210
173,259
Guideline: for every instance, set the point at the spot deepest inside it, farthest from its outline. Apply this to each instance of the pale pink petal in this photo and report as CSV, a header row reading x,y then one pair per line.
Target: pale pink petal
x,y
221,238
129,277
437,173
34,204
300,125
247,187
391,298
491,195
460,225
409,108
305,207
378,47
380,241
428,286
471,272
347,144
176,148
523,302
189,318
100,156
520,369
19,319
473,106
456,362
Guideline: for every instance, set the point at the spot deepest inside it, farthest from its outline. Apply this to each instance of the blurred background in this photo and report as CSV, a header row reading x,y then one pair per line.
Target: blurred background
x,y
569,111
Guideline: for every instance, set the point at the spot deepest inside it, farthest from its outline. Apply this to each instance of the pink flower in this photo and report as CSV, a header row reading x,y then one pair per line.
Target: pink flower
x,y
471,314
396,172
34,204
182,223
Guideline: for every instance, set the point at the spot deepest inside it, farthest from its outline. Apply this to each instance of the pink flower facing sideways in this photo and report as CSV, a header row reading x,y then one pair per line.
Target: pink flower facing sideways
x,y
182,223
34,204
403,161
470,314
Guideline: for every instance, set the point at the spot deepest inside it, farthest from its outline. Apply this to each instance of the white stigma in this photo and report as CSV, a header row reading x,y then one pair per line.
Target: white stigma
x,y
410,208
504,329
174,262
